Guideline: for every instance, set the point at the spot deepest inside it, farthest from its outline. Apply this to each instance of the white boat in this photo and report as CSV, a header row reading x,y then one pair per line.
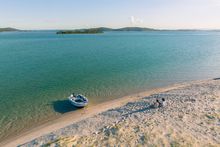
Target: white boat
x,y
78,100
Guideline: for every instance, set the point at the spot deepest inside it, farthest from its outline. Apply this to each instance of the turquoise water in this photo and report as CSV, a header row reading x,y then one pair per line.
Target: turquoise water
x,y
38,70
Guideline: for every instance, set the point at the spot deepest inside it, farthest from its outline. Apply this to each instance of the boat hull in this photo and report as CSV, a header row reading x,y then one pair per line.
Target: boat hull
x,y
78,104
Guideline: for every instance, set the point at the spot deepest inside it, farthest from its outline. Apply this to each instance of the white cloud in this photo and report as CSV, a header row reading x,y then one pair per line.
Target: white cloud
x,y
136,20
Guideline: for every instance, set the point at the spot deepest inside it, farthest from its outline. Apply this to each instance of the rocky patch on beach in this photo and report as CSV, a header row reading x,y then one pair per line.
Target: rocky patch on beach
x,y
190,118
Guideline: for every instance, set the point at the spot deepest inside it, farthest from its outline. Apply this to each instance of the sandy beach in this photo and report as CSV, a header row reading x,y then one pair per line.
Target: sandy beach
x,y
191,118
110,73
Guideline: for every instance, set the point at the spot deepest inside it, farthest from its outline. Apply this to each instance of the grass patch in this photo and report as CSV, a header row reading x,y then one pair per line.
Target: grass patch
x,y
174,144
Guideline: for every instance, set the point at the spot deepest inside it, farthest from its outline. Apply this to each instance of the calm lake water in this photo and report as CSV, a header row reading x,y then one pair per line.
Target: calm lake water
x,y
38,70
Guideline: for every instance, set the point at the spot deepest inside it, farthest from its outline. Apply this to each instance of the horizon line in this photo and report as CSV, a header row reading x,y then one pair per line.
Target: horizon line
x,y
76,28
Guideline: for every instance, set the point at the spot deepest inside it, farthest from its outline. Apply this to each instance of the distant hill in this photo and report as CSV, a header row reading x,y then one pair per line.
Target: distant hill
x,y
103,29
8,29
134,29
82,31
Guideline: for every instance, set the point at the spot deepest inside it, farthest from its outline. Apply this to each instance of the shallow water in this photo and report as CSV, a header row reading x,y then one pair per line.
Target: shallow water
x,y
38,70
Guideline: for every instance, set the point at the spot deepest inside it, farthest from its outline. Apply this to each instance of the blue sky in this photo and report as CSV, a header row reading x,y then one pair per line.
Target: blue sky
x,y
68,14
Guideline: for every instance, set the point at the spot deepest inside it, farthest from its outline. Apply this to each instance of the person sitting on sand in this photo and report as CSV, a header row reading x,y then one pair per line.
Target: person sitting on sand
x,y
163,103
156,104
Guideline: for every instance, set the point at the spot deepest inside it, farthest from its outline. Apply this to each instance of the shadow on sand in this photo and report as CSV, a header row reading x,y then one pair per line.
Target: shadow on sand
x,y
63,106
141,110
216,79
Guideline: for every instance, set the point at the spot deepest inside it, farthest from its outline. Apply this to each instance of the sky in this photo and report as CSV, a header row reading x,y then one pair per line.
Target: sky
x,y
73,14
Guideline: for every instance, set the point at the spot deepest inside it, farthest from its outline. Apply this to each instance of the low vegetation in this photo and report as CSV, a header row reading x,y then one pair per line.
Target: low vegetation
x,y
8,29
102,29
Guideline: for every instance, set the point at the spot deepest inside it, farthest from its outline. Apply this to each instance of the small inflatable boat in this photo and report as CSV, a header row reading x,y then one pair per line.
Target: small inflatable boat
x,y
78,100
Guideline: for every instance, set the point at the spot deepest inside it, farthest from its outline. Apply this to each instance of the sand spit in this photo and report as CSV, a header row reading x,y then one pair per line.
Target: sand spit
x,y
191,118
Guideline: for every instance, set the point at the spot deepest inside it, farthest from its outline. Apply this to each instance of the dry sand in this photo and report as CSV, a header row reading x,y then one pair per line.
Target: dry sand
x,y
191,118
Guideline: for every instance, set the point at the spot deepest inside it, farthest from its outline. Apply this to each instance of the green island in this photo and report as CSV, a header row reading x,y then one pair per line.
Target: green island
x,y
102,30
81,31
8,29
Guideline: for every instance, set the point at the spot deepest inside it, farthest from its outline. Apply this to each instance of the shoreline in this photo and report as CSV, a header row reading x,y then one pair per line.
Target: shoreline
x,y
76,116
